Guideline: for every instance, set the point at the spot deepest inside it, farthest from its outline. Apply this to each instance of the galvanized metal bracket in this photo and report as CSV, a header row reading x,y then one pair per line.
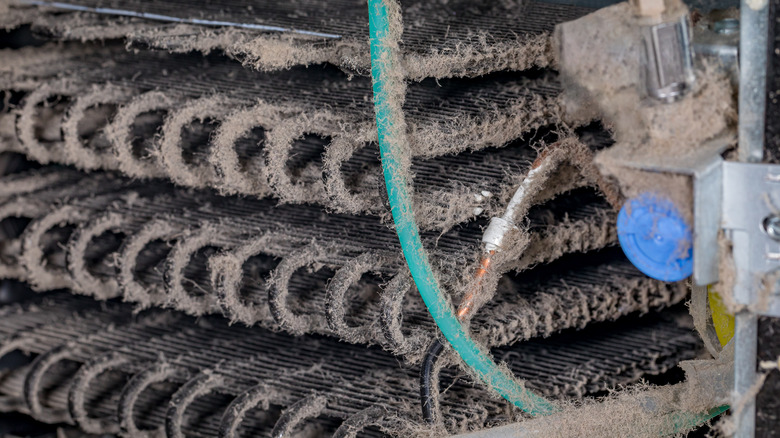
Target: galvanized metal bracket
x,y
751,197
707,202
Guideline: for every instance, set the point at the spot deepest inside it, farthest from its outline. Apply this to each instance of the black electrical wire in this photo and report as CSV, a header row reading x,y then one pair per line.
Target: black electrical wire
x,y
426,381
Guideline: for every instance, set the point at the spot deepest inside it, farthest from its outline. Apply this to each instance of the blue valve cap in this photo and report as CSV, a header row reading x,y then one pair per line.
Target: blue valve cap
x,y
655,237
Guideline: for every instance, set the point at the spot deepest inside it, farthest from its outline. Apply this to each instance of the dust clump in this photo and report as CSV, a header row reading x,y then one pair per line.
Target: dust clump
x,y
607,83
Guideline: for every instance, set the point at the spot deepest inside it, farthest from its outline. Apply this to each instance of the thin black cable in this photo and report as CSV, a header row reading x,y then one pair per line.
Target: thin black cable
x,y
426,381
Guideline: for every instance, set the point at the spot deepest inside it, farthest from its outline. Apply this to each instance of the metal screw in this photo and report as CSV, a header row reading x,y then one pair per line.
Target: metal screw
x,y
727,26
771,226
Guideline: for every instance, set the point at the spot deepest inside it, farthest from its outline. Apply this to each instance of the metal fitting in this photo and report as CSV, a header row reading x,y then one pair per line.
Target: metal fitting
x,y
495,232
669,59
719,42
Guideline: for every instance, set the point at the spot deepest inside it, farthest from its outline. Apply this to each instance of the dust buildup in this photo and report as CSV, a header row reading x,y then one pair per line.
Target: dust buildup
x,y
39,118
702,319
203,368
727,275
675,187
570,299
607,83
175,147
210,123
150,244
87,375
82,267
133,133
441,39
657,410
85,140
241,245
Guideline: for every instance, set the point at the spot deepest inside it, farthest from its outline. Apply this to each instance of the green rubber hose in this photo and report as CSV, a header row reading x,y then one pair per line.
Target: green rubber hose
x,y
391,130
681,422
387,81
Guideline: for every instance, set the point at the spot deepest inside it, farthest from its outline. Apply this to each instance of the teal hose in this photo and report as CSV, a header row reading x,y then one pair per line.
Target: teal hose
x,y
391,133
681,422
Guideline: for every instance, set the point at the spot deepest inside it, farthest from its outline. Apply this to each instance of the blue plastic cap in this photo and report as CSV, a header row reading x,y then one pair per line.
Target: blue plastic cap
x,y
656,238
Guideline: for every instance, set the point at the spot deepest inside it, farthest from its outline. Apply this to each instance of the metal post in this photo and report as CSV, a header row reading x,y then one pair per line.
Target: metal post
x,y
753,52
745,345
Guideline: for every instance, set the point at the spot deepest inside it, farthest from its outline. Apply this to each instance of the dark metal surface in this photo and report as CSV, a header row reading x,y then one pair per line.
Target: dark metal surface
x,y
70,340
431,26
768,398
300,277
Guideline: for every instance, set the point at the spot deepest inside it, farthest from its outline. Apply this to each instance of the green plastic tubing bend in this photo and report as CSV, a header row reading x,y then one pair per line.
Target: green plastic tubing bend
x,y
391,133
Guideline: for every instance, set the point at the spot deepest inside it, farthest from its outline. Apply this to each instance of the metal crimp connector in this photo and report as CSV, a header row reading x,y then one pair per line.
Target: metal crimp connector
x,y
669,59
494,234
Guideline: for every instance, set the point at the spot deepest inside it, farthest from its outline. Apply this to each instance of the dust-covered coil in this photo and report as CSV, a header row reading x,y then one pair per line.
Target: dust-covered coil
x,y
441,39
249,196
100,366
296,268
302,136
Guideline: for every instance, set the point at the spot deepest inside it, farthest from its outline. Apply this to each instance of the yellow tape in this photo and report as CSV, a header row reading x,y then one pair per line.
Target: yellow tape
x,y
721,318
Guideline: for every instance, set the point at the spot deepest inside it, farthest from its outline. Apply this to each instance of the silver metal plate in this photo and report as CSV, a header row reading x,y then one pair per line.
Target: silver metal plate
x,y
751,193
707,198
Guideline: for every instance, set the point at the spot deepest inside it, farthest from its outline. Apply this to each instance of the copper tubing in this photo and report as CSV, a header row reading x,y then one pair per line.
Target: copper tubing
x,y
543,156
468,301
466,307
467,304
427,371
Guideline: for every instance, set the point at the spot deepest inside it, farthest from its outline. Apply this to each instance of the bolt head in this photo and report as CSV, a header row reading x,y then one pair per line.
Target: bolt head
x,y
771,225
